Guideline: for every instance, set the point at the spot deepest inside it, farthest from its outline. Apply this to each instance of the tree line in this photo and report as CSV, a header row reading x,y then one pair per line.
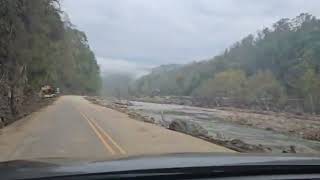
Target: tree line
x,y
39,46
277,64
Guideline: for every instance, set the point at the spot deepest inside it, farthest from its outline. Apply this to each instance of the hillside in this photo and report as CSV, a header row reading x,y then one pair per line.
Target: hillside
x,y
38,47
165,68
276,65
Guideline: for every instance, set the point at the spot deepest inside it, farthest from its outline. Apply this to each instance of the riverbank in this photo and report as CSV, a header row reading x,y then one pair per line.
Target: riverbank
x,y
306,126
217,125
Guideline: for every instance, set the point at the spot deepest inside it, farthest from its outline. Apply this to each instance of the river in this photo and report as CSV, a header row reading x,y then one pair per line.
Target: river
x,y
220,128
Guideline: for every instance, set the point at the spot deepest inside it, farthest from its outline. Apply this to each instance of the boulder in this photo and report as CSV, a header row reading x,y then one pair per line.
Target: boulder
x,y
188,127
290,149
241,146
311,134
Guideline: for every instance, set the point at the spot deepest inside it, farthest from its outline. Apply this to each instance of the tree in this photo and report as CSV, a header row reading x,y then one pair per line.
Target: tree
x,y
263,87
38,48
310,89
180,81
230,83
288,54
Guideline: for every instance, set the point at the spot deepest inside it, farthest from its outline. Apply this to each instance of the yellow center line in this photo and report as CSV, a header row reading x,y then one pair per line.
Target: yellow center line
x,y
122,151
104,142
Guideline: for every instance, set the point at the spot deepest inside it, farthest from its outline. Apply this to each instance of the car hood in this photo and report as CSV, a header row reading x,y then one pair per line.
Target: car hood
x,y
64,166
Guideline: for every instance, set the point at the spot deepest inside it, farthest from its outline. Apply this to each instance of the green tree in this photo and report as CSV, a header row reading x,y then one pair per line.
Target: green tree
x,y
310,89
230,83
287,53
264,87
38,48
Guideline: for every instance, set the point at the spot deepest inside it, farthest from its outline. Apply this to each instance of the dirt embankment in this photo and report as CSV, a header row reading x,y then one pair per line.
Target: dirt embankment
x,y
29,104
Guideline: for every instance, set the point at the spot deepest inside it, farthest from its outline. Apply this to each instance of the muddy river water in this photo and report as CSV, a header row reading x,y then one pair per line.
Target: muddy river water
x,y
223,129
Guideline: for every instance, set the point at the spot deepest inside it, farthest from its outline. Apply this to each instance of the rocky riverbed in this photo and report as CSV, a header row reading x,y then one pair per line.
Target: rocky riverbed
x,y
223,126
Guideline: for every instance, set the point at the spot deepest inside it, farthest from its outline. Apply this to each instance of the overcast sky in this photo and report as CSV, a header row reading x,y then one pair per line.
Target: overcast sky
x,y
134,35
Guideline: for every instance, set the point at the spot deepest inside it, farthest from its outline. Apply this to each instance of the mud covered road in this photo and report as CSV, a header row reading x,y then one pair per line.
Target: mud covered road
x,y
72,127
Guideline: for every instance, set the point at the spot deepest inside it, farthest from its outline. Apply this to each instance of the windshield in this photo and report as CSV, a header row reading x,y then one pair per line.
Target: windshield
x,y
101,80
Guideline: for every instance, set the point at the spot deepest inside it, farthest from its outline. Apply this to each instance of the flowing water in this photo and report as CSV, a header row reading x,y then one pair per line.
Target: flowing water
x,y
218,127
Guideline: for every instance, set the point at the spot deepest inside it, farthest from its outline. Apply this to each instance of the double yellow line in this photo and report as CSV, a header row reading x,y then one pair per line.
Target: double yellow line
x,y
103,136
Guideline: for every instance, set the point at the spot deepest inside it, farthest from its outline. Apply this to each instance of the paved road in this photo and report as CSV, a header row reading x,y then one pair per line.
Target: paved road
x,y
75,128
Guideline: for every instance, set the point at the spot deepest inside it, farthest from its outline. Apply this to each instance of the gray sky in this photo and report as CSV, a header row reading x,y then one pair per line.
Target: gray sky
x,y
134,35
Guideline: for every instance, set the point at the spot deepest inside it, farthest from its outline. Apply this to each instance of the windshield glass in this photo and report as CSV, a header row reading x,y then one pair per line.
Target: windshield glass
x,y
102,80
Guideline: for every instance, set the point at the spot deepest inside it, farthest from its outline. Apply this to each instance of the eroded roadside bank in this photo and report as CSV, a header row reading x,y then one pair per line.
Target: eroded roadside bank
x,y
30,104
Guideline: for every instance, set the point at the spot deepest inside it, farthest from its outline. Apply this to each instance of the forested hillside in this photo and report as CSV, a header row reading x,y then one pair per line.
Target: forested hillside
x,y
116,85
277,64
37,48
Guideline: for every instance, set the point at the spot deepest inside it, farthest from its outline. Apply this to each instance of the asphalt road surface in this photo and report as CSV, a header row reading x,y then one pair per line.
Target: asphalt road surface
x,y
74,128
